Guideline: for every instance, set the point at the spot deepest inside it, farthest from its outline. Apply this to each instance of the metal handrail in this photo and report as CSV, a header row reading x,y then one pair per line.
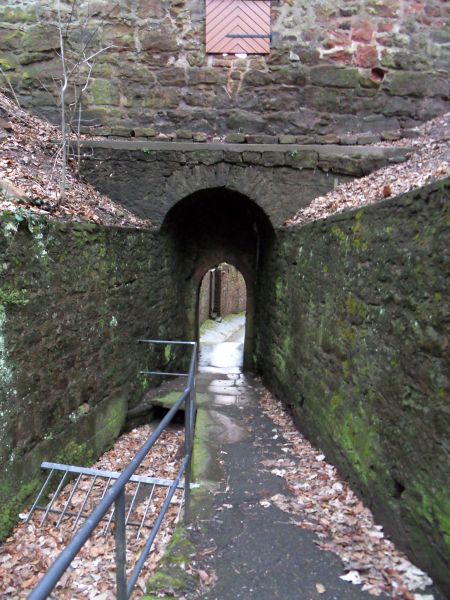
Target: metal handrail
x,y
116,495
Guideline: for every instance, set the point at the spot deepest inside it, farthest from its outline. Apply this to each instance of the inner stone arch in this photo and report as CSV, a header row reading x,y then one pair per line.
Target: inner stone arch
x,y
214,226
222,308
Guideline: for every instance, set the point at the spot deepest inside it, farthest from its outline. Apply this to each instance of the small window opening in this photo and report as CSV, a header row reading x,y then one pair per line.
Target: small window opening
x,y
222,309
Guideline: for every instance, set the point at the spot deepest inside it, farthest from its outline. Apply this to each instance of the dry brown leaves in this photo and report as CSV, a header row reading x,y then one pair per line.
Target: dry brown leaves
x,y
323,502
32,548
31,162
429,161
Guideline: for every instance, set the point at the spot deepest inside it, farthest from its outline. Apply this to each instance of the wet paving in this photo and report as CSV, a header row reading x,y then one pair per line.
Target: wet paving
x,y
255,552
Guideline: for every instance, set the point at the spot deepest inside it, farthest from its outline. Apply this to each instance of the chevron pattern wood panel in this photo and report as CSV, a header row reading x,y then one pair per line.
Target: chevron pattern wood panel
x,y
238,26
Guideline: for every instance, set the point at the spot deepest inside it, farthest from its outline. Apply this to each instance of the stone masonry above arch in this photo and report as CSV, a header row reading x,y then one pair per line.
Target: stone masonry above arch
x,y
149,178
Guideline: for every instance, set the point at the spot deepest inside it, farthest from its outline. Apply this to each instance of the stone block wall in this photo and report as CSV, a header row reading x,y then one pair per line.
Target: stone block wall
x,y
352,328
233,297
230,294
334,66
151,178
74,300
204,299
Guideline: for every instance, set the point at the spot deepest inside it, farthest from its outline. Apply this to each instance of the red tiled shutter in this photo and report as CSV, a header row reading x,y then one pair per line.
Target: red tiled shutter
x,y
238,26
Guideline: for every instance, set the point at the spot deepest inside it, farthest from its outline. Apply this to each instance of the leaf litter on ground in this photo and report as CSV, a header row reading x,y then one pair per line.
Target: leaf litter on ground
x,y
31,171
429,161
321,501
29,551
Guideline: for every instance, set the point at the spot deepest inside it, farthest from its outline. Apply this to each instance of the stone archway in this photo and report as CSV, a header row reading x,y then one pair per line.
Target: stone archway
x,y
214,226
151,178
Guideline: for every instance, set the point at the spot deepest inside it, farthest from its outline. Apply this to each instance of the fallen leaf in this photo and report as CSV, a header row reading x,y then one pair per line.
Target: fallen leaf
x,y
352,576
203,576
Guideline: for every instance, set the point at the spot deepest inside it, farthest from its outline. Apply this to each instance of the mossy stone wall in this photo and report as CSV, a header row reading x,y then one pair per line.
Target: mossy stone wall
x,y
335,66
74,300
352,328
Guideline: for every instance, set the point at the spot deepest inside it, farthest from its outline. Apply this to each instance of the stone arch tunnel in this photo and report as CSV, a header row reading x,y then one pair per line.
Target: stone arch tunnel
x,y
212,226
150,178
366,379
347,316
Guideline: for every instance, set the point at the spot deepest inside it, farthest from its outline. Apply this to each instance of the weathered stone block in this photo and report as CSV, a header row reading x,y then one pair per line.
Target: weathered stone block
x,y
293,75
328,76
183,134
232,157
235,138
162,98
252,158
11,39
287,139
198,76
120,35
273,159
200,137
366,56
40,38
416,84
305,139
367,139
204,157
329,99
347,140
328,138
148,132
104,92
121,132
245,121
362,31
172,76
301,159
261,138
159,40
201,98
390,136
257,78
149,9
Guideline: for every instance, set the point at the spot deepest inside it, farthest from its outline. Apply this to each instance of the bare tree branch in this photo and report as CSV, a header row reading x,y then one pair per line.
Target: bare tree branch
x,y
10,87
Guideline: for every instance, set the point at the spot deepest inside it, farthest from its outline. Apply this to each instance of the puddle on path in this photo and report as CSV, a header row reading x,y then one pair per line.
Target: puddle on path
x,y
222,345
221,379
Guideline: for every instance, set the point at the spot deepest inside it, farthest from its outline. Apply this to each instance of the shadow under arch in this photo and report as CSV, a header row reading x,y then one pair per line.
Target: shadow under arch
x,y
210,227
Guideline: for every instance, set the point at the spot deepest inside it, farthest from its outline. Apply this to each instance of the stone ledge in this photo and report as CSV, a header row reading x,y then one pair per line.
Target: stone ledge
x,y
232,137
188,146
354,161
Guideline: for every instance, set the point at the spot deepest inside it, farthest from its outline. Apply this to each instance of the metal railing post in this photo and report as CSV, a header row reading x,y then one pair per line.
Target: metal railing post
x,y
189,428
116,494
121,547
187,452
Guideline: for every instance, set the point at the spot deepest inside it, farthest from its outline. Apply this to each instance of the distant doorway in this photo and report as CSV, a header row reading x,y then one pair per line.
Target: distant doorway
x,y
222,311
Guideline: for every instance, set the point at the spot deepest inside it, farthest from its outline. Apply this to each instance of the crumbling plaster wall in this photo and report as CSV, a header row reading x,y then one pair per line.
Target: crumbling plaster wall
x,y
317,79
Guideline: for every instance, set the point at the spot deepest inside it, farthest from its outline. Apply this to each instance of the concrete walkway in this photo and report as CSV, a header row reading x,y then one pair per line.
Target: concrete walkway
x,y
255,552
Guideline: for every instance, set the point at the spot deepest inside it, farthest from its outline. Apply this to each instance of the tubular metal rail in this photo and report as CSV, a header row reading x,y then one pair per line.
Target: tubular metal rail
x,y
116,494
